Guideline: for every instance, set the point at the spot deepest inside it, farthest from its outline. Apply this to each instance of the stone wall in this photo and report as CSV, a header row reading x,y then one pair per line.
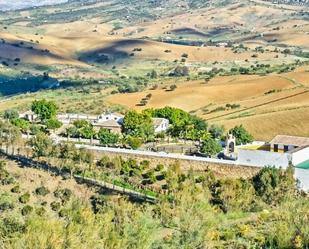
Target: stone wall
x,y
220,170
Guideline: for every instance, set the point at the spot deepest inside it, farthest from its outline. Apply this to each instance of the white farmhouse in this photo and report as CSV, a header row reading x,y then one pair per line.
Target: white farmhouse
x,y
111,116
161,124
280,152
28,115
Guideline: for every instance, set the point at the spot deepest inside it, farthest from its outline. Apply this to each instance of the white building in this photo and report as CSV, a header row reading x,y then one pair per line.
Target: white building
x,y
111,116
161,124
283,143
69,118
28,115
279,152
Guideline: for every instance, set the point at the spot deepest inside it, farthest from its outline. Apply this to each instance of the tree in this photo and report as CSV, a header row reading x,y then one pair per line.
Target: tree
x,y
9,135
210,147
44,109
87,132
216,131
53,124
41,145
22,124
241,134
83,128
107,137
134,142
273,185
80,123
139,125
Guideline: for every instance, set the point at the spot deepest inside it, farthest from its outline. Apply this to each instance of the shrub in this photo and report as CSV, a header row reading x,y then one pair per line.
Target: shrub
x,y
144,164
42,191
11,225
150,175
24,198
40,211
8,180
55,206
159,167
63,194
63,213
134,142
4,206
173,87
15,189
26,210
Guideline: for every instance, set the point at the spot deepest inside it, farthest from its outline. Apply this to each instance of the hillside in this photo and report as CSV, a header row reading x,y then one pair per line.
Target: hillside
x,y
114,46
40,210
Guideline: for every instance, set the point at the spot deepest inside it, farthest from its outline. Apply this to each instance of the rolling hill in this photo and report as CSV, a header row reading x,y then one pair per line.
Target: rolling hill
x,y
250,52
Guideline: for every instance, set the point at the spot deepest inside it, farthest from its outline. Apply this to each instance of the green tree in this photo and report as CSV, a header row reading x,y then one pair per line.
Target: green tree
x,y
44,109
139,125
216,131
134,142
53,124
273,184
107,137
41,145
241,134
22,124
10,135
210,147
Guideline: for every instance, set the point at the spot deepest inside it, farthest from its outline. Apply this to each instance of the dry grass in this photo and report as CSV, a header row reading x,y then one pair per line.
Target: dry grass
x,y
288,114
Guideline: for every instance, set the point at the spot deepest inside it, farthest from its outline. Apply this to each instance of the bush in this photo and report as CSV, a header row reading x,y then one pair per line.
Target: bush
x,y
26,210
159,167
63,194
134,142
40,211
63,213
15,189
4,206
150,175
55,206
42,191
11,225
144,164
24,198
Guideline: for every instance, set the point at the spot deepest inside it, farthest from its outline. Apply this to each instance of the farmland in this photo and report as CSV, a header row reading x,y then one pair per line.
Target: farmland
x,y
251,55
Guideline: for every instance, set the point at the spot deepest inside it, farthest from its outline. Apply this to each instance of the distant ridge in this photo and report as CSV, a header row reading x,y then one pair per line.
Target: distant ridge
x,y
291,2
21,4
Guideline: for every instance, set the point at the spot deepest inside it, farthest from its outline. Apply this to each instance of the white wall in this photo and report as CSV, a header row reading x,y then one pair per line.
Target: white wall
x,y
303,176
300,156
163,126
261,158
